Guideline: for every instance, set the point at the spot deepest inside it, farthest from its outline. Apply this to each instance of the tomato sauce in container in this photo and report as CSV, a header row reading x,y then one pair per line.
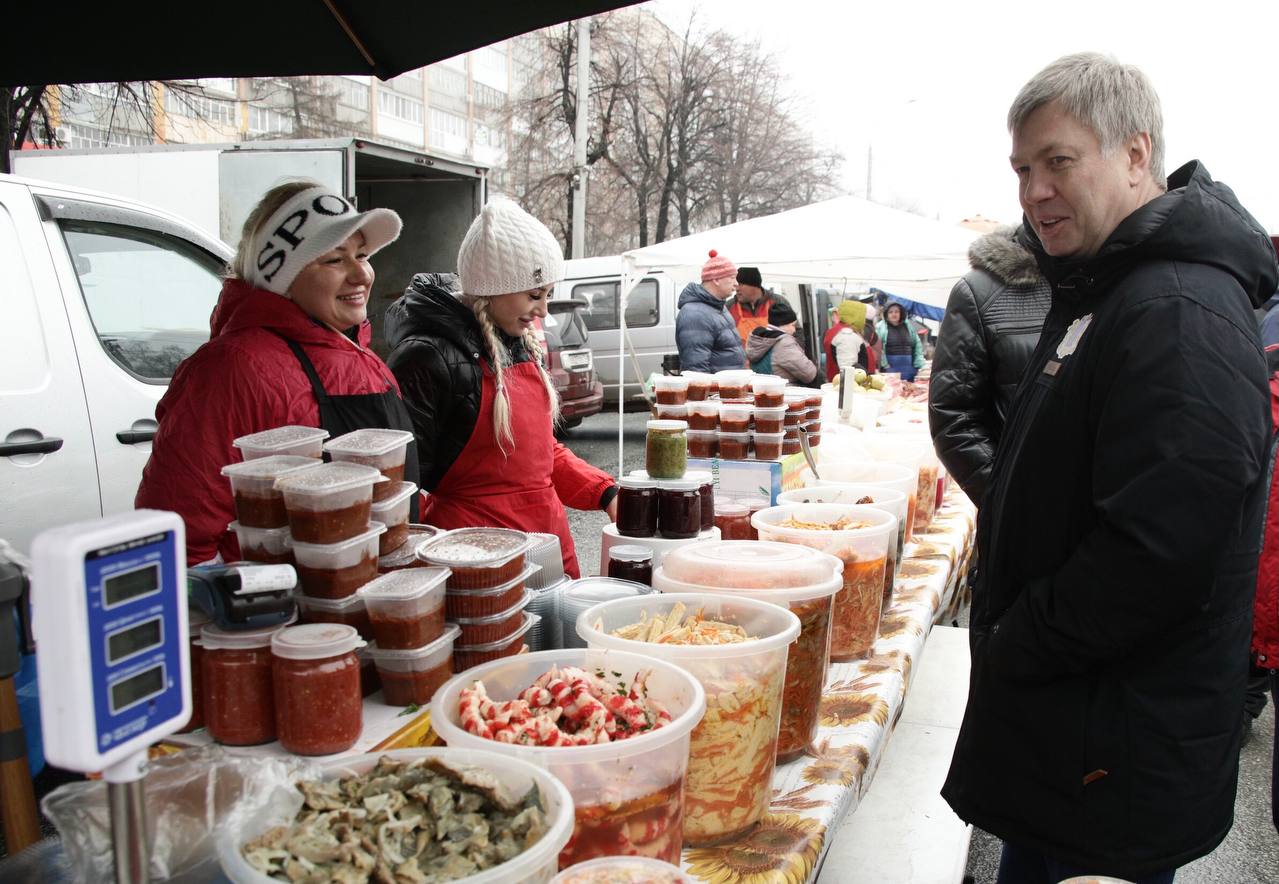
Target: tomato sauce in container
x,y
406,608
413,675
329,503
383,449
406,555
349,611
337,570
257,502
478,557
239,694
319,704
493,627
290,440
393,512
466,656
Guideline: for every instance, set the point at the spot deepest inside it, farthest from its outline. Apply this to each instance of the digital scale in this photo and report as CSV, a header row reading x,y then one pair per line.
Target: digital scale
x,y
109,612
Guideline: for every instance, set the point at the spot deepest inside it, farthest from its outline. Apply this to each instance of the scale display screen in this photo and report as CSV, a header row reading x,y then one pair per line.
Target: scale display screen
x,y
134,640
130,585
130,691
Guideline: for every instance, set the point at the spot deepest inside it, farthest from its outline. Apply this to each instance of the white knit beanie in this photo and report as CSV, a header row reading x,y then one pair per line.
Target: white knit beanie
x,y
508,250
314,221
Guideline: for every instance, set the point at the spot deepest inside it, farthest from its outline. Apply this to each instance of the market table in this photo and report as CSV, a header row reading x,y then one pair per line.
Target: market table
x,y
860,707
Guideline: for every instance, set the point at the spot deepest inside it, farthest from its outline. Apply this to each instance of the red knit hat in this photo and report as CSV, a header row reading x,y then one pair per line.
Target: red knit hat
x,y
718,267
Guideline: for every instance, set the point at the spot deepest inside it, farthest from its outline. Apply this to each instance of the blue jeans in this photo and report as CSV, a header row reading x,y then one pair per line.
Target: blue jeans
x,y
1019,865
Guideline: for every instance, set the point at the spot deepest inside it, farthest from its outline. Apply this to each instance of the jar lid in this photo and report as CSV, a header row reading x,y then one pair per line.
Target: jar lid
x,y
701,477
214,637
728,508
678,485
281,437
368,442
329,478
630,552
639,474
668,426
271,467
315,641
196,621
636,483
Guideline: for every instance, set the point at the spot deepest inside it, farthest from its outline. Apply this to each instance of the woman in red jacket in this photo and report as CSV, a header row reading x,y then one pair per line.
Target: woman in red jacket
x,y
483,405
288,345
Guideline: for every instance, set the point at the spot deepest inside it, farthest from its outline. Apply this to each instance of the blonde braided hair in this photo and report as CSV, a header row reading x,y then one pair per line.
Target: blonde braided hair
x,y
500,360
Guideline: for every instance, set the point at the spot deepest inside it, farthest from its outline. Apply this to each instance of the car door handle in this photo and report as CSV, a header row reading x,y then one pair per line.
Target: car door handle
x,y
47,445
129,437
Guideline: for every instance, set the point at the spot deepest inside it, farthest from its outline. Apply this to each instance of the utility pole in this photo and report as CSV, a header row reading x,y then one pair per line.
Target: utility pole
x,y
580,135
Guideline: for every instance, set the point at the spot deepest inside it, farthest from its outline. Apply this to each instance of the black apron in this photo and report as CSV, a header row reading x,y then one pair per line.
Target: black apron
x,y
364,411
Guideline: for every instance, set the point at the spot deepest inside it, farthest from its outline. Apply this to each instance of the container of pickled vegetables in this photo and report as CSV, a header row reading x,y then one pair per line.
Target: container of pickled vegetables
x,y
612,726
795,577
736,648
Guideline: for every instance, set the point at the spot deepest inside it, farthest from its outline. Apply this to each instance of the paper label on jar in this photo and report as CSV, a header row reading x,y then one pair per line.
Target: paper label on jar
x,y
266,578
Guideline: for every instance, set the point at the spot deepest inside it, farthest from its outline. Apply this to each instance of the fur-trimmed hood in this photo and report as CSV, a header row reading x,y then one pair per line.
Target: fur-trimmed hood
x,y
1001,254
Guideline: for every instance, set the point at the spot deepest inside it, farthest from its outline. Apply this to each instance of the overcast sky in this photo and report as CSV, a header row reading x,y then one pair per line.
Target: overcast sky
x,y
928,84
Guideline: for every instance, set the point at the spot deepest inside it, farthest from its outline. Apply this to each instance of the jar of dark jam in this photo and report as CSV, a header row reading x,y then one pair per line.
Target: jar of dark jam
x,y
239,695
196,621
637,507
705,488
631,562
679,514
319,704
733,520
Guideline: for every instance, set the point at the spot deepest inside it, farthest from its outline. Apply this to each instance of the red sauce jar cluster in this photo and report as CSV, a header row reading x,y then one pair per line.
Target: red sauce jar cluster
x,y
319,704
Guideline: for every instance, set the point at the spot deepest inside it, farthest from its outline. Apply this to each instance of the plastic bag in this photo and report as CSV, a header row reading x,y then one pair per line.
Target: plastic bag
x,y
189,799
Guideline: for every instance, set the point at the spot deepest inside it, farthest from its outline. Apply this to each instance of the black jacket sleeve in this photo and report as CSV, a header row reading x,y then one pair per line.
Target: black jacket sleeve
x,y
427,385
961,395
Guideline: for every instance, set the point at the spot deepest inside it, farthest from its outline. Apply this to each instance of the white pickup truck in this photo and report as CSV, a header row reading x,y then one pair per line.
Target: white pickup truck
x,y
104,297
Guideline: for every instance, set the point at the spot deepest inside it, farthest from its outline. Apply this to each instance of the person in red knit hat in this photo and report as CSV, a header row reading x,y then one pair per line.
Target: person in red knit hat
x,y
704,331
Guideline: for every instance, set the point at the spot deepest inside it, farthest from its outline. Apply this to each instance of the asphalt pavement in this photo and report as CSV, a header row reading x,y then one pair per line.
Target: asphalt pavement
x,y
1250,853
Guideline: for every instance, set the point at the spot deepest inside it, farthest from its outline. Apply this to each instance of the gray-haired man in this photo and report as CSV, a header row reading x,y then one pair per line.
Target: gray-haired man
x,y
1120,532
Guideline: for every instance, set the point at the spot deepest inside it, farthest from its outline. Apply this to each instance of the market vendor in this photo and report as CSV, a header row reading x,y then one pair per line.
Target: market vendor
x,y
288,345
903,348
483,404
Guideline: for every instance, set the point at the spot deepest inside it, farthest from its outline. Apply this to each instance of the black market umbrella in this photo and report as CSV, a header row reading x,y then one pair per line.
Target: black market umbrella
x,y
87,42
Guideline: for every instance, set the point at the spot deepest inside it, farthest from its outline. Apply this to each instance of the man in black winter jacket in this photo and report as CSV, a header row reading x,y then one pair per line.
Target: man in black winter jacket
x,y
1120,531
991,327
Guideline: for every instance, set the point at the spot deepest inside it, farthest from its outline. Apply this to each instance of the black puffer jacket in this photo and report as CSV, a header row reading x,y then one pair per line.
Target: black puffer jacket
x,y
991,327
1119,542
435,346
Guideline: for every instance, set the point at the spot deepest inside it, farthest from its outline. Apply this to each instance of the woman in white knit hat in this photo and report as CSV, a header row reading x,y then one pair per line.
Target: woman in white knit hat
x,y
288,345
482,403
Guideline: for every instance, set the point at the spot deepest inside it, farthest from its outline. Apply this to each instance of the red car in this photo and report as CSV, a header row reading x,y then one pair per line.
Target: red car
x,y
571,363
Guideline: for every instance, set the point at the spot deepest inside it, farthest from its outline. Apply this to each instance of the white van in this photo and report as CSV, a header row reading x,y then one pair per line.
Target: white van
x,y
650,319
104,298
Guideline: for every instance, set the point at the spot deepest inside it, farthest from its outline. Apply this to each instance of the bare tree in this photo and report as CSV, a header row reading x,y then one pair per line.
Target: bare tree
x,y
308,103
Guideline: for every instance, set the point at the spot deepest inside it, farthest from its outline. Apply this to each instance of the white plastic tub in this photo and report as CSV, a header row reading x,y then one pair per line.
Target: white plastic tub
x,y
302,441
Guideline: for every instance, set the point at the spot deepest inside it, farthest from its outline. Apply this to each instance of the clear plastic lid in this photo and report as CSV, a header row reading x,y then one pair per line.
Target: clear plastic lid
x,y
743,375
407,554
347,605
523,576
405,585
281,437
408,655
749,564
272,467
474,547
328,478
640,474
589,591
679,484
315,641
215,638
489,619
404,491
261,534
736,409
375,529
768,382
636,483
516,636
775,412
668,426
670,382
630,552
368,442
795,394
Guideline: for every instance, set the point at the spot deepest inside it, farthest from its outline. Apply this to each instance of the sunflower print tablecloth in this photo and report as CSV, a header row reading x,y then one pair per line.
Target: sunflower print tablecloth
x,y
861,703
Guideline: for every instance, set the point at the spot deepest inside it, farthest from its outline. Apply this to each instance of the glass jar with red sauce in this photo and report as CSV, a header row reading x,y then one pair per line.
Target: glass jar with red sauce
x,y
680,509
319,704
706,488
239,695
631,562
637,507
196,621
733,520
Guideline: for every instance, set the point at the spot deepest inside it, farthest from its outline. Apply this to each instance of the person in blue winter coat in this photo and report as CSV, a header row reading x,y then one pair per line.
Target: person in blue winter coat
x,y
704,330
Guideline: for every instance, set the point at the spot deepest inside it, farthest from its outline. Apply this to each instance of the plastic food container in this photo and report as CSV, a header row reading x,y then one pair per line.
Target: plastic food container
x,y
703,443
703,415
517,777
887,499
769,420
734,383
478,557
406,555
384,449
670,412
545,552
769,390
257,503
795,399
768,446
864,552
467,656
486,600
733,749
734,446
239,695
734,417
899,477
578,595
329,503
300,441
319,706
393,512
700,385
623,870
266,546
493,627
666,449
733,520
413,675
196,621
337,570
350,611
628,795
406,608
795,577
670,389
913,444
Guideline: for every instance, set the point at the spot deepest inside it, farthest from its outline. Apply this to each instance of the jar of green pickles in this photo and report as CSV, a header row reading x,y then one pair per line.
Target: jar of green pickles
x,y
666,449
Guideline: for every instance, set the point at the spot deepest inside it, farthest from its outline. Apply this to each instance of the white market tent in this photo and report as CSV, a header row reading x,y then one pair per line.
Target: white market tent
x,y
846,241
